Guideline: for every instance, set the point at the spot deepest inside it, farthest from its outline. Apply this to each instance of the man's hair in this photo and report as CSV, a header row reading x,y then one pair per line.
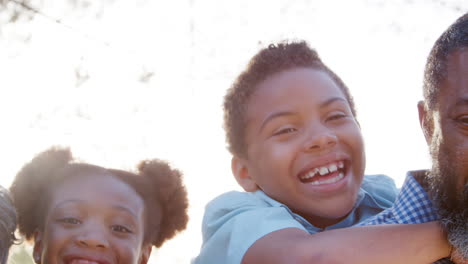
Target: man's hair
x,y
7,224
269,61
454,38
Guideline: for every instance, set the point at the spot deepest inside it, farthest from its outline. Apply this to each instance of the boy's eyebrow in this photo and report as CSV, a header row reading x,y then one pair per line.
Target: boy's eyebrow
x,y
273,116
332,100
286,113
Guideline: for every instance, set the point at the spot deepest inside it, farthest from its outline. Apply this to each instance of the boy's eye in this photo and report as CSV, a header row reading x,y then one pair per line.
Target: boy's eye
x,y
70,221
336,116
285,131
120,229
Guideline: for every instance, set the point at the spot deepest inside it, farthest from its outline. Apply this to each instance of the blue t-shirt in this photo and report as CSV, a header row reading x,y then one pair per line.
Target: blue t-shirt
x,y
235,220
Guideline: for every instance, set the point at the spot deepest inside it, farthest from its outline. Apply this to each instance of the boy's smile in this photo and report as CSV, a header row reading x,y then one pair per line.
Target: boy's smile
x,y
304,146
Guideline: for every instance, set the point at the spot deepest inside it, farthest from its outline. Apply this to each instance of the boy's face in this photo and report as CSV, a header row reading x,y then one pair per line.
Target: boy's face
x,y
94,219
305,148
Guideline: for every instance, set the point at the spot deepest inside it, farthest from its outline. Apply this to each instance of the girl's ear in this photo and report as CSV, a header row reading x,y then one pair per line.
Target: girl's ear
x,y
37,249
240,170
145,254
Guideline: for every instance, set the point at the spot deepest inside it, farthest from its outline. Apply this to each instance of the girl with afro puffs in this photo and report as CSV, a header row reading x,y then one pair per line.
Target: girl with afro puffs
x,y
82,213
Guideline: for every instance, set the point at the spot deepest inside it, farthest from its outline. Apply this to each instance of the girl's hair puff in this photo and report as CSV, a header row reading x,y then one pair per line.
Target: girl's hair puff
x,y
171,195
30,185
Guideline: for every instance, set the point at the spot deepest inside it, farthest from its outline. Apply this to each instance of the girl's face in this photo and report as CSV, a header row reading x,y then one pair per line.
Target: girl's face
x,y
305,147
93,219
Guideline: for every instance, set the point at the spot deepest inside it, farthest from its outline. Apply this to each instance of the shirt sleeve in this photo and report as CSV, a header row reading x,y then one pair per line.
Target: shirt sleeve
x,y
412,206
234,221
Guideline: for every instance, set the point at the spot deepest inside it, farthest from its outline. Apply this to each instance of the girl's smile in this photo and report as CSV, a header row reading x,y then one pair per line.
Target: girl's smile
x,y
92,219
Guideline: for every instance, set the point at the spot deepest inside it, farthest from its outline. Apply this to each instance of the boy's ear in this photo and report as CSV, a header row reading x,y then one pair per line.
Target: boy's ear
x,y
426,122
240,170
145,254
37,249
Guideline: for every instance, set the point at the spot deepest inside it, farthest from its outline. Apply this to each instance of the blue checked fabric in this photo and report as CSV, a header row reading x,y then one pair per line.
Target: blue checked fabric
x,y
412,206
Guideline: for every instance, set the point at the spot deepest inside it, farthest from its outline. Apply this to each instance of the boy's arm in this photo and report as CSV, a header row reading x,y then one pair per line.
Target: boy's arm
x,y
420,243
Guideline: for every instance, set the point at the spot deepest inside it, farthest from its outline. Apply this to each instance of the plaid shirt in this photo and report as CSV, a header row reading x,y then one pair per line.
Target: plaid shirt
x,y
412,206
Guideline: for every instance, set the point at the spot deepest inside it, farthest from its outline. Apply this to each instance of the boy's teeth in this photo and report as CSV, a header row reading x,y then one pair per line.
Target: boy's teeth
x,y
328,181
340,164
323,170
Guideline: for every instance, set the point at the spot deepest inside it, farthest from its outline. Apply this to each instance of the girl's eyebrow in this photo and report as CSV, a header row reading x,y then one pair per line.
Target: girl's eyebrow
x,y
78,201
62,203
125,209
287,113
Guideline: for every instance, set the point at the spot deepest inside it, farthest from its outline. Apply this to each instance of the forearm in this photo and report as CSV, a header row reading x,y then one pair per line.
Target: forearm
x,y
421,243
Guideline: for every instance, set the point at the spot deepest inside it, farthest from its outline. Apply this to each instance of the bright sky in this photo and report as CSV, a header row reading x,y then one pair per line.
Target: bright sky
x,y
195,49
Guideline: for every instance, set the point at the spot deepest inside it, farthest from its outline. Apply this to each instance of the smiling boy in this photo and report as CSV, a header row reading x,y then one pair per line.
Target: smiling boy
x,y
307,150
298,153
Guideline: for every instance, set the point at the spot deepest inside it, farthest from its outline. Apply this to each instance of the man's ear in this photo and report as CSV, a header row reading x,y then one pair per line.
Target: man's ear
x,y
240,170
37,249
426,121
145,254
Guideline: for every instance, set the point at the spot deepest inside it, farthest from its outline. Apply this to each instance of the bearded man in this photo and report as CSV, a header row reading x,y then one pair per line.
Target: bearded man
x,y
441,193
444,120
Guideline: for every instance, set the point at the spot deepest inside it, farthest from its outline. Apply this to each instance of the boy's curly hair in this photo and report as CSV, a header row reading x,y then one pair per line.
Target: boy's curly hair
x,y
156,182
267,62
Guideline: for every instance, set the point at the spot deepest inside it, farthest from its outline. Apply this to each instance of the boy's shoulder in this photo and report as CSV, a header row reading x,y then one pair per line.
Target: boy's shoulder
x,y
235,220
235,199
381,188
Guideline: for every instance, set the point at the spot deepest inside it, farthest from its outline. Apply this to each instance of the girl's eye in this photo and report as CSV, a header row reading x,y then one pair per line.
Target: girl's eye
x,y
285,131
120,229
70,221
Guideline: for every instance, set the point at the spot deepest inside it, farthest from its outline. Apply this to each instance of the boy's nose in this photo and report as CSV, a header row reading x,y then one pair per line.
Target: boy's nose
x,y
320,140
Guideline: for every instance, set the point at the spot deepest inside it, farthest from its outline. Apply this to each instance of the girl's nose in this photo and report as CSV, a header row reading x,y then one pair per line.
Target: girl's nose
x,y
93,237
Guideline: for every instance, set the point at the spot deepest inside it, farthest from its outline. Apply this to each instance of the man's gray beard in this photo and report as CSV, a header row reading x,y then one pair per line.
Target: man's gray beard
x,y
452,205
